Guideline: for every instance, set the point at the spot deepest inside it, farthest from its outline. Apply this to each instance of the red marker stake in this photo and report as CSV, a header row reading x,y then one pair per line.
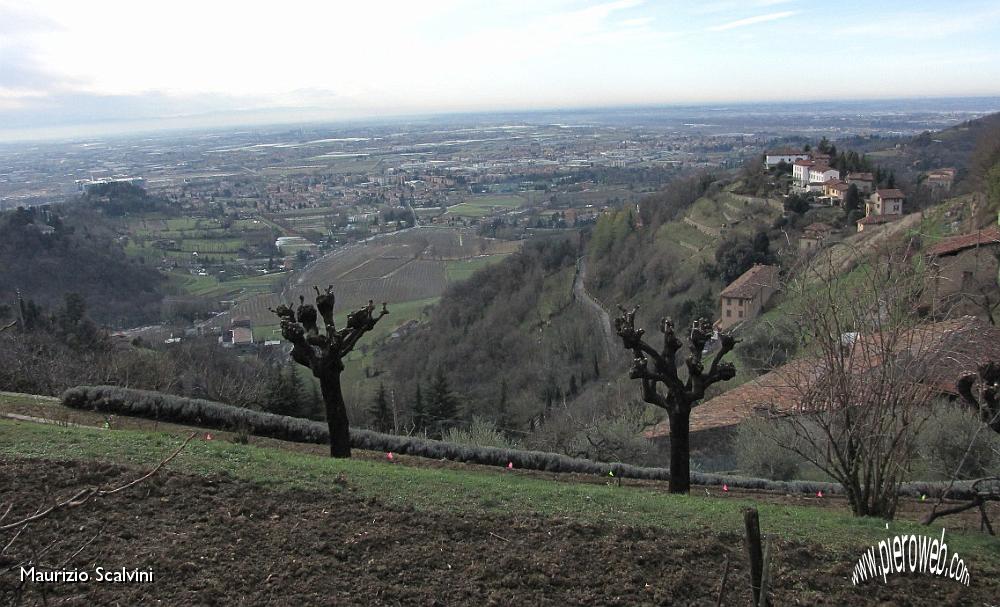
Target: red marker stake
x,y
510,465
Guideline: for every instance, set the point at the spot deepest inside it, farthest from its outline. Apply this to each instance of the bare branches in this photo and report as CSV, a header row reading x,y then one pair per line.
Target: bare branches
x,y
984,490
680,397
8,326
664,362
84,495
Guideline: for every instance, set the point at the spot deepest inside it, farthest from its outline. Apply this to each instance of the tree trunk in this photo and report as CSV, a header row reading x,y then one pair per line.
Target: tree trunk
x,y
680,451
336,415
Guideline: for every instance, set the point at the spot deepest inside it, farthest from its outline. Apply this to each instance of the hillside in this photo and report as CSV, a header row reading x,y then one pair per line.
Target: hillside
x,y
485,329
454,533
48,253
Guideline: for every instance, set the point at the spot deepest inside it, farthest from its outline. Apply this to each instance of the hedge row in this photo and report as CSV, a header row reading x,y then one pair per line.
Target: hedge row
x,y
208,414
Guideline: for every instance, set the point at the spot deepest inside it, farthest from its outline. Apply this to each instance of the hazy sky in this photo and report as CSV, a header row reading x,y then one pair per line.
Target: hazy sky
x,y
68,62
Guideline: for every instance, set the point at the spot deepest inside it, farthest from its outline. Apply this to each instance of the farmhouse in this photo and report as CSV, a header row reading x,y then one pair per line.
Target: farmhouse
x,y
885,202
864,181
940,179
882,207
743,299
835,190
813,236
962,273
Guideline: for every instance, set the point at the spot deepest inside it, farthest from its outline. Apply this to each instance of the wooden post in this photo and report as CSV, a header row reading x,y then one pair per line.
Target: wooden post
x,y
754,552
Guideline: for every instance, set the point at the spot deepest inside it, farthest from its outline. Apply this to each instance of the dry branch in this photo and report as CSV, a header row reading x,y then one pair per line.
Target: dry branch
x,y
84,495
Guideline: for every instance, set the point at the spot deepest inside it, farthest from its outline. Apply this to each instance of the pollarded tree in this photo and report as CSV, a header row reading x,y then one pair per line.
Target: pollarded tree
x,y
323,352
681,395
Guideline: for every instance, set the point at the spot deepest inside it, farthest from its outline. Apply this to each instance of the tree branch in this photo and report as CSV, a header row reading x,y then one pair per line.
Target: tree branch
x,y
84,495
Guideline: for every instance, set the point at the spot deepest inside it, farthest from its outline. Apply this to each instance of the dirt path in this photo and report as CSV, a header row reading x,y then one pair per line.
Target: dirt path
x,y
611,348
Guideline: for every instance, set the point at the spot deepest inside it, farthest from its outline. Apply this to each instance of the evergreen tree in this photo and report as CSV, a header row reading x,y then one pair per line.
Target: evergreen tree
x,y
442,406
852,198
502,419
381,416
317,410
418,414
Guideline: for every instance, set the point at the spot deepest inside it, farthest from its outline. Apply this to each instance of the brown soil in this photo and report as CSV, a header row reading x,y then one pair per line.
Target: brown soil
x,y
218,541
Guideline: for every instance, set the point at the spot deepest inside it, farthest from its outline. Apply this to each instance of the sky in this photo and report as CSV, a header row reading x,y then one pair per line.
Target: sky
x,y
67,63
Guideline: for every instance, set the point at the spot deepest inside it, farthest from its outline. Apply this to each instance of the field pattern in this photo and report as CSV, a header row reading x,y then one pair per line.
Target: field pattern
x,y
396,268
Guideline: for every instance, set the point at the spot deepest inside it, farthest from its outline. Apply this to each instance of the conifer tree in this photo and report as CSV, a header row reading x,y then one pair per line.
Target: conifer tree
x,y
442,406
381,416
418,413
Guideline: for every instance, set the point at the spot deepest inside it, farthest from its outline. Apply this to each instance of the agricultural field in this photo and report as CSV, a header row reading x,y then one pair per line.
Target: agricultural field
x,y
489,204
196,241
464,268
425,531
397,268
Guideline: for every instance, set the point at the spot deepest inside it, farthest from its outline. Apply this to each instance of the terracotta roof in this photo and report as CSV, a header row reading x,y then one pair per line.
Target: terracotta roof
x,y
818,227
822,168
804,163
889,194
877,219
747,285
860,177
939,354
956,244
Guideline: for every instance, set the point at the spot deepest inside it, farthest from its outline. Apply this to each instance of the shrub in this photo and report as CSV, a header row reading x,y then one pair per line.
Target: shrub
x,y
947,436
758,451
165,407
480,433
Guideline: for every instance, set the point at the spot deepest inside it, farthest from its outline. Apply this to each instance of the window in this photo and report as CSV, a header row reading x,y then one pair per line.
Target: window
x,y
728,312
741,313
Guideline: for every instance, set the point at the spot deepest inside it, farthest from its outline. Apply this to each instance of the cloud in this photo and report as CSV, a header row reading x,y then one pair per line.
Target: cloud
x,y
927,25
752,21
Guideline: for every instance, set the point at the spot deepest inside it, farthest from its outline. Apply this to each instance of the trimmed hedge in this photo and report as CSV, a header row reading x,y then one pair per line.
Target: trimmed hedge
x,y
208,414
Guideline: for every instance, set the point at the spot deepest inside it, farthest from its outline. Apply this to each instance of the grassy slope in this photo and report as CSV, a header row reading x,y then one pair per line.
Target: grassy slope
x,y
457,491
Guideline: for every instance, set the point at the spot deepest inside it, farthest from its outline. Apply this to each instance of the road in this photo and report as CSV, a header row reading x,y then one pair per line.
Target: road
x,y
611,347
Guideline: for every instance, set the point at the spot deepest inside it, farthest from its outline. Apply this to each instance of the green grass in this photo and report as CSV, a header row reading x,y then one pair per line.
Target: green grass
x,y
480,206
457,491
464,268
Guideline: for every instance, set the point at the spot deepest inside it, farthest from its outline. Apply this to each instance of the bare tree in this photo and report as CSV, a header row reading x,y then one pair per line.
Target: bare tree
x,y
323,354
681,395
857,399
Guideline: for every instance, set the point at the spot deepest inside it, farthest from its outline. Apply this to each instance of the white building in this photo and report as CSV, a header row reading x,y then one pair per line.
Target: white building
x,y
800,172
776,157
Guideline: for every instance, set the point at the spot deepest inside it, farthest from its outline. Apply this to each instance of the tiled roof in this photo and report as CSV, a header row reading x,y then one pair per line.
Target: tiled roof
x,y
889,194
819,226
860,176
956,244
804,163
939,354
747,285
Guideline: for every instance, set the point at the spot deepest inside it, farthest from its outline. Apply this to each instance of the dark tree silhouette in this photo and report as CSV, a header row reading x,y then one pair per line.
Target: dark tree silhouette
x,y
681,395
323,353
